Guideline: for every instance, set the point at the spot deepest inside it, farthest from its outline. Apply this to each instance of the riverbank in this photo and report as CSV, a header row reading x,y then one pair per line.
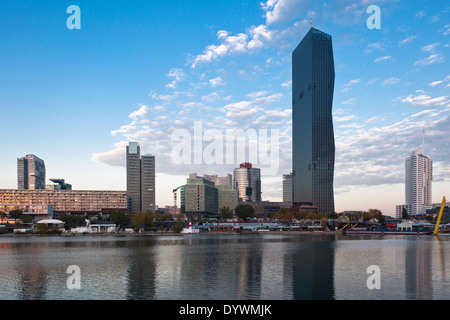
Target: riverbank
x,y
152,234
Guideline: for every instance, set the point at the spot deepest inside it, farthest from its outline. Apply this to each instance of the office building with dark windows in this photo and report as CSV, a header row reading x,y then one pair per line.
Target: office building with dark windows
x,y
140,180
30,173
313,146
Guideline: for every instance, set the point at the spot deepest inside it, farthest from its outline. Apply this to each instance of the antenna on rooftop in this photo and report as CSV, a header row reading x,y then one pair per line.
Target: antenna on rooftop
x,y
423,142
310,22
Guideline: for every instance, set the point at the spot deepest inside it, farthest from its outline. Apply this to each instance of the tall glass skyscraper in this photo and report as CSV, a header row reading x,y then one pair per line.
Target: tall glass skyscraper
x,y
313,148
247,180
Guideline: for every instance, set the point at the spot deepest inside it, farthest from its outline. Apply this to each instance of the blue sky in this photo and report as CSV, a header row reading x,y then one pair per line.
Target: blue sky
x,y
138,70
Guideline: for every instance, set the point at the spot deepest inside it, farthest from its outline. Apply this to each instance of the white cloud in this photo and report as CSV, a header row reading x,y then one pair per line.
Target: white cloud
x,y
391,80
114,157
350,101
254,38
218,81
140,113
344,118
430,47
420,14
178,75
433,58
425,100
383,58
405,41
435,83
281,10
352,82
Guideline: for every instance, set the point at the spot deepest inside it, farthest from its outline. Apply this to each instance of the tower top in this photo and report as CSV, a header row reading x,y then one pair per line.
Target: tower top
x,y
310,22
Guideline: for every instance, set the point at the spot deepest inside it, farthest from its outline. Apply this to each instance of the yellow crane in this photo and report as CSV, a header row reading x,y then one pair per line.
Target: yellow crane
x,y
438,221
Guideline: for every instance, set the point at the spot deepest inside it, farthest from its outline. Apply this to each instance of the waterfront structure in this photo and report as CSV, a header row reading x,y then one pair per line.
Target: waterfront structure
x,y
418,181
247,180
66,201
287,187
140,179
313,146
59,184
30,173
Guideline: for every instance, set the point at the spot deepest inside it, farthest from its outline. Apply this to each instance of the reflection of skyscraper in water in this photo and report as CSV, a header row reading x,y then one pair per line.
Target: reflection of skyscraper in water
x,y
313,274
418,272
141,277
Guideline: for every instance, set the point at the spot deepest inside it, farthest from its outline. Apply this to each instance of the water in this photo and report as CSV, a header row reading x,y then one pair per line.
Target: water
x,y
225,267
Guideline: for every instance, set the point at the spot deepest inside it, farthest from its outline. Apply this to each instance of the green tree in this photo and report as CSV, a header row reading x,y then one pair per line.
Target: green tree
x,y
42,228
244,211
405,214
332,215
226,213
178,227
139,220
120,218
15,214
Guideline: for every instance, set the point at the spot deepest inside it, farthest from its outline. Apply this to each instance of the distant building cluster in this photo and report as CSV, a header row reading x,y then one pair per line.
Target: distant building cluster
x,y
309,185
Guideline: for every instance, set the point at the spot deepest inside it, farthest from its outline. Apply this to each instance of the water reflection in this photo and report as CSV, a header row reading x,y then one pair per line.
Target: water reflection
x,y
249,267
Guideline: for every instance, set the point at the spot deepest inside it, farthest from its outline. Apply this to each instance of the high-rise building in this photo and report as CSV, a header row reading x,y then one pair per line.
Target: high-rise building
x,y
418,180
313,147
148,183
30,173
133,177
140,179
287,187
247,180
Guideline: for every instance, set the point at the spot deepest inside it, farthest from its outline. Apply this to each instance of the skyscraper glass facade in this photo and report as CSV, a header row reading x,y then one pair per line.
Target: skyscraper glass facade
x,y
313,147
247,180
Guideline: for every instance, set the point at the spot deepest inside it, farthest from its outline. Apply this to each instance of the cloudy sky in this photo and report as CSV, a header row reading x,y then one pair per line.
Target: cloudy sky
x,y
148,70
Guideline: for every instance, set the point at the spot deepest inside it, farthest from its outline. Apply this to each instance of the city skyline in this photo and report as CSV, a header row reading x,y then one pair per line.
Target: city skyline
x,y
138,72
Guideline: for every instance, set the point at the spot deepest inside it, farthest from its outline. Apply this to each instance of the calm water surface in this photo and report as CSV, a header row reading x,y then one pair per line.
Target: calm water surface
x,y
225,267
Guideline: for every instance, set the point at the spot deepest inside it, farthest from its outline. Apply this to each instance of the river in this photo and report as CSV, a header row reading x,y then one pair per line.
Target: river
x,y
225,267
